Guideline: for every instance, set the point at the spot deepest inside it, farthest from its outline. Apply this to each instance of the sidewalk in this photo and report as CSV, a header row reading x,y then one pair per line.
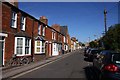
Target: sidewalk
x,y
8,72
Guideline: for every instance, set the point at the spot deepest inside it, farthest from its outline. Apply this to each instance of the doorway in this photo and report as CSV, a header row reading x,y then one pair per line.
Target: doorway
x,y
2,40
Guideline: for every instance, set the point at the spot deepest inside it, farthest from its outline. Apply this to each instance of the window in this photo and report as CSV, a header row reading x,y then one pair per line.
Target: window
x,y
27,46
23,19
52,35
43,33
22,46
19,45
39,28
43,47
39,47
14,20
64,39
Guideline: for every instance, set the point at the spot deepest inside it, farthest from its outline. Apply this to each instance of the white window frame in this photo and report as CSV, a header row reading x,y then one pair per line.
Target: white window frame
x,y
52,35
28,46
23,47
64,39
15,20
23,22
43,31
41,52
39,29
43,46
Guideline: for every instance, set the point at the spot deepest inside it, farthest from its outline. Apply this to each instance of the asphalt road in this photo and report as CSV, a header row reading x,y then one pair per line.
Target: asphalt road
x,y
71,66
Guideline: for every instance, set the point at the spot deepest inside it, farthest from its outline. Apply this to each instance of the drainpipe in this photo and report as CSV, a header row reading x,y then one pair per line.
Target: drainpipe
x,y
32,45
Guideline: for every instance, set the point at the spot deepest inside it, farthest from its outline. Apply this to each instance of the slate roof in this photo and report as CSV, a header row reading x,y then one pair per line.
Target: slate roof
x,y
22,34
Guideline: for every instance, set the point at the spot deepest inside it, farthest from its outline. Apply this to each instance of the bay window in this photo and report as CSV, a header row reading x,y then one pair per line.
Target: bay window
x,y
22,46
39,47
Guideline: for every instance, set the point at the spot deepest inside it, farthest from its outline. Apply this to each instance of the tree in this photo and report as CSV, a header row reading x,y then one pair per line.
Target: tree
x,y
93,44
111,39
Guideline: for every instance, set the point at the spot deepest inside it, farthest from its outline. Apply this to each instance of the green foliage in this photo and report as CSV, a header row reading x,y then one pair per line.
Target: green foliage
x,y
83,44
93,44
111,39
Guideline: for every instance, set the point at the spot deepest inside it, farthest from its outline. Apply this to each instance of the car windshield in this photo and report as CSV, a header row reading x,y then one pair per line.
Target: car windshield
x,y
95,51
116,58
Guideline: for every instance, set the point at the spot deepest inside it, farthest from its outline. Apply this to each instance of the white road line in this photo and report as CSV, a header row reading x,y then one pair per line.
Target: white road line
x,y
38,67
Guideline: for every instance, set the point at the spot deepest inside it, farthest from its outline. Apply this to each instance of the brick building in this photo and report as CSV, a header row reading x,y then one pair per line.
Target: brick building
x,y
21,34
66,38
24,35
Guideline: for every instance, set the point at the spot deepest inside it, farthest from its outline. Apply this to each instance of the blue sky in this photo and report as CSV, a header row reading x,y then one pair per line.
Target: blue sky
x,y
84,19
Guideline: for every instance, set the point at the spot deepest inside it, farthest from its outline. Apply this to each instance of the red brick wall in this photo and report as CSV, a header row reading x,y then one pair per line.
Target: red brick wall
x,y
6,28
9,41
48,34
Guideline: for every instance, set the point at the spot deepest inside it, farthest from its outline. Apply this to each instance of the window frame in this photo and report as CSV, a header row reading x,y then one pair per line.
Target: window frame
x,y
14,25
23,23
43,31
41,46
39,29
23,46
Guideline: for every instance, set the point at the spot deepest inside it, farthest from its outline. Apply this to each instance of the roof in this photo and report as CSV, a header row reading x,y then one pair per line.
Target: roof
x,y
40,38
22,34
17,9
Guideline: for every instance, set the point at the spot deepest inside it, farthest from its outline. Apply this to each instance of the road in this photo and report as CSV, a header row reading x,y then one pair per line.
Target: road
x,y
71,66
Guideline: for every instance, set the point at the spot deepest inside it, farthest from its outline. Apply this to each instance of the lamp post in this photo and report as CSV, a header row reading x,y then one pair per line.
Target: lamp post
x,y
105,12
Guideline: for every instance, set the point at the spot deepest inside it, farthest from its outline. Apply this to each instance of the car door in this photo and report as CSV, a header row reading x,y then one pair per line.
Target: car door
x,y
100,61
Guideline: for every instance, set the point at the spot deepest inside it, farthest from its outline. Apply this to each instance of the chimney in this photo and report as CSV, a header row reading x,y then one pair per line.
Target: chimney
x,y
44,19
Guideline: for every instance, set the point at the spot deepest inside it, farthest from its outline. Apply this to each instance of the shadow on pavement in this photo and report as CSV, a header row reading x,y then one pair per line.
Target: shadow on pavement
x,y
91,73
87,59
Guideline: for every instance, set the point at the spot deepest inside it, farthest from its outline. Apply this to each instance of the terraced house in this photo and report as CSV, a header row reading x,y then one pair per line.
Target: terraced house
x,y
21,34
24,35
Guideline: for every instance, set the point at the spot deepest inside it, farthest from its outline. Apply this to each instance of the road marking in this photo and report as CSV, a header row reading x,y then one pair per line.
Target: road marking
x,y
39,67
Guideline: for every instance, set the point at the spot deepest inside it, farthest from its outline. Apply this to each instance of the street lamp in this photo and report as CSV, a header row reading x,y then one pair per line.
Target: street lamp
x,y
105,12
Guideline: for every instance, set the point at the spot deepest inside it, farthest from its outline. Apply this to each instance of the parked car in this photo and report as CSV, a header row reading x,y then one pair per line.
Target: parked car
x,y
108,65
93,53
85,49
86,52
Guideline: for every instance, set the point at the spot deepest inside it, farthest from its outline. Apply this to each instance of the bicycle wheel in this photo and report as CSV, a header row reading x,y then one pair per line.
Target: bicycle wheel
x,y
13,62
25,60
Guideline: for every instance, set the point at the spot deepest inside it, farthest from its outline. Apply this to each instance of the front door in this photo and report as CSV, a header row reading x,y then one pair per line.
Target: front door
x,y
54,49
50,49
1,51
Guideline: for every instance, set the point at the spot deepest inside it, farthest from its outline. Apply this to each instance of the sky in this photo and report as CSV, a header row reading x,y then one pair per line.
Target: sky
x,y
84,19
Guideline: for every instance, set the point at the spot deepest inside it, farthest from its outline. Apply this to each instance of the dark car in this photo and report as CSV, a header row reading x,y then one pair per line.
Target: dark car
x,y
87,52
93,53
108,65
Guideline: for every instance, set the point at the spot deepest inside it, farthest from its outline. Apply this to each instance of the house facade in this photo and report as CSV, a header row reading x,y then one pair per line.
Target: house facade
x,y
24,35
73,43
21,34
66,38
16,35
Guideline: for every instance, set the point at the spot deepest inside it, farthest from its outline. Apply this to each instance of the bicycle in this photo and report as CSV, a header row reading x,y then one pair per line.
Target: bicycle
x,y
18,61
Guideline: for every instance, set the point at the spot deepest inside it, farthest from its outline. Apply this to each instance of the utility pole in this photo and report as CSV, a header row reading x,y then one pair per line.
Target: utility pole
x,y
105,12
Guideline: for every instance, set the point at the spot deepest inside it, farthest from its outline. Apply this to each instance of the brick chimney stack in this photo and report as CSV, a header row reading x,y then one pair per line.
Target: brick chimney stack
x,y
44,20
